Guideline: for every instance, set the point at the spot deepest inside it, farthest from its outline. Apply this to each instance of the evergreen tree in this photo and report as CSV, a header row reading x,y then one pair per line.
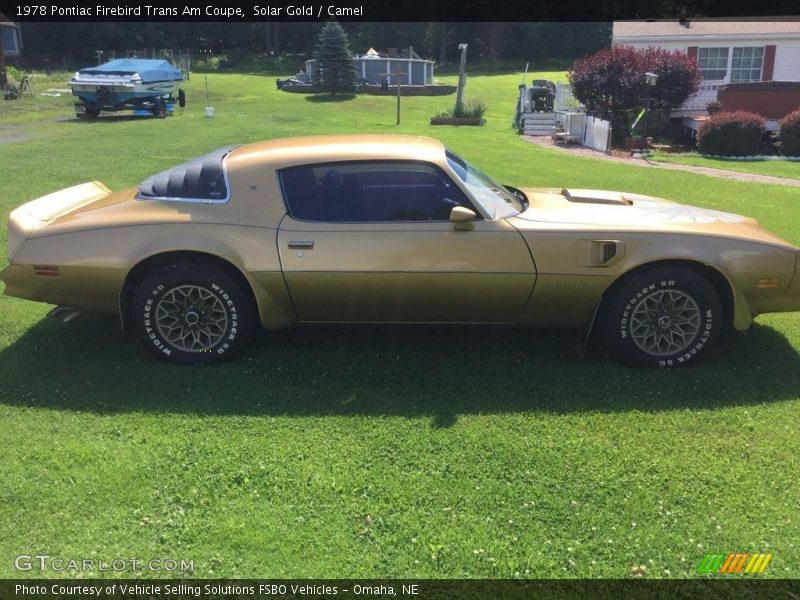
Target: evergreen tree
x,y
335,69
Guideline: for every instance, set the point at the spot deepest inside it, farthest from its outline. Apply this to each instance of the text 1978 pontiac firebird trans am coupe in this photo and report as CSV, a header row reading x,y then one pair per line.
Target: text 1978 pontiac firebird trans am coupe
x,y
391,229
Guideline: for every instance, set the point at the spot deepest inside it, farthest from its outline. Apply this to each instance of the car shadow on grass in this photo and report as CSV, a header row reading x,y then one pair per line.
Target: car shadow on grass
x,y
441,373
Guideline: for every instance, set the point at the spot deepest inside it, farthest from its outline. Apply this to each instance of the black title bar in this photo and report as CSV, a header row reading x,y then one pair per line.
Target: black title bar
x,y
384,10
702,588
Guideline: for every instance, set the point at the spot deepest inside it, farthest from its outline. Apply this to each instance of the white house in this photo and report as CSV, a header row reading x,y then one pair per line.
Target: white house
x,y
727,51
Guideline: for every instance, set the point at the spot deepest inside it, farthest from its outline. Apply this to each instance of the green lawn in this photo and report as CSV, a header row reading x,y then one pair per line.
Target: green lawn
x,y
383,452
776,168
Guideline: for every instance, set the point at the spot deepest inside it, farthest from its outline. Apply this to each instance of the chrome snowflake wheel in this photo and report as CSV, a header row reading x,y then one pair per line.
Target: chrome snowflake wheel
x,y
191,318
665,322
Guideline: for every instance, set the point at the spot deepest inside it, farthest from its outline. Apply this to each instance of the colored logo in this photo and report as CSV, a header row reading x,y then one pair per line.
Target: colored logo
x,y
734,562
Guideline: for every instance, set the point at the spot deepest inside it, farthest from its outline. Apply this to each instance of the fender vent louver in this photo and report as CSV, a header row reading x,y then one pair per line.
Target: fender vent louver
x,y
600,253
609,251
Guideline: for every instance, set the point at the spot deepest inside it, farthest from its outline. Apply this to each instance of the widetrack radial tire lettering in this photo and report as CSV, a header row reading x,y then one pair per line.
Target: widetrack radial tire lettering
x,y
662,317
192,314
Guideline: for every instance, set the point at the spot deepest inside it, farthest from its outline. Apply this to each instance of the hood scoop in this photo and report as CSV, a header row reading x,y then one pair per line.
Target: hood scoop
x,y
596,197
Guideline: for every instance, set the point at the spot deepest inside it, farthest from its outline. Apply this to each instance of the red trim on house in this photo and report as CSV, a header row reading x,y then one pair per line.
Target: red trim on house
x,y
691,51
769,63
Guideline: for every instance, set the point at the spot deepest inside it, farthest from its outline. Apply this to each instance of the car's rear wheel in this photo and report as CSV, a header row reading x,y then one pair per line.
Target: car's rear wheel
x,y
662,317
192,314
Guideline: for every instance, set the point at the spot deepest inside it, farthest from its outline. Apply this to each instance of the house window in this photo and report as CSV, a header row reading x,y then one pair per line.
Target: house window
x,y
713,63
746,64
8,37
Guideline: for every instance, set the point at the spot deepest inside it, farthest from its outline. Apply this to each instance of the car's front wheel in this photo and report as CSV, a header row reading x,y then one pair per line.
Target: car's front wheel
x,y
192,314
662,317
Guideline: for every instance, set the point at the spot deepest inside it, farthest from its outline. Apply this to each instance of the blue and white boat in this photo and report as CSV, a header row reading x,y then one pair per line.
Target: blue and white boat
x,y
128,83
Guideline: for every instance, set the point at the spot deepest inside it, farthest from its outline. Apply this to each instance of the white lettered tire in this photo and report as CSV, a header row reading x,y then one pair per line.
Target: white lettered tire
x,y
192,314
663,317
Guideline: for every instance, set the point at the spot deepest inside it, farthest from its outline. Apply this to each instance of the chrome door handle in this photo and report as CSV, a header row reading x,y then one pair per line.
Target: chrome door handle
x,y
301,245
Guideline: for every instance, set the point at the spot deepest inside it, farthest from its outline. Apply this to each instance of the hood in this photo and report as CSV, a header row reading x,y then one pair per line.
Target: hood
x,y
606,210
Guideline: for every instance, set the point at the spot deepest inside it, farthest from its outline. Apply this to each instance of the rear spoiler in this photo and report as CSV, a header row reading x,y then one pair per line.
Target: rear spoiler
x,y
64,201
37,213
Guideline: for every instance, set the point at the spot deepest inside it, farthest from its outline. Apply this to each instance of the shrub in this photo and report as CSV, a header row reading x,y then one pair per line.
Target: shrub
x,y
471,109
14,75
790,134
207,62
736,133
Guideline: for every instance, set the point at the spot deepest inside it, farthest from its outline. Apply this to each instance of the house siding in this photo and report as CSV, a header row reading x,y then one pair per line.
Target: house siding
x,y
667,45
787,52
787,61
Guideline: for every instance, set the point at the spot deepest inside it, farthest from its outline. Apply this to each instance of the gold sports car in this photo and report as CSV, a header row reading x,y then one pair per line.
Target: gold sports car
x,y
391,229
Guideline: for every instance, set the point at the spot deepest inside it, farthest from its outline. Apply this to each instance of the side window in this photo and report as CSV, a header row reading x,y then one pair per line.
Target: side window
x,y
352,192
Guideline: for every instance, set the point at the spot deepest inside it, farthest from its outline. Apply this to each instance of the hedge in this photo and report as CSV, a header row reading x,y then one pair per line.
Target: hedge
x,y
790,134
736,133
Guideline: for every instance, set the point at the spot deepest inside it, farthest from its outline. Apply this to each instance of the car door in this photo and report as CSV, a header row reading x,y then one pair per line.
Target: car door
x,y
371,241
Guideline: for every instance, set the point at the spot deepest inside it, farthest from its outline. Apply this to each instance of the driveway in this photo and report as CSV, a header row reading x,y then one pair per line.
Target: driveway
x,y
547,142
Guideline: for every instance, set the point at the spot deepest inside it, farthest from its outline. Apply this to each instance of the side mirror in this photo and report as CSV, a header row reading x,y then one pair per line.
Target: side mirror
x,y
462,218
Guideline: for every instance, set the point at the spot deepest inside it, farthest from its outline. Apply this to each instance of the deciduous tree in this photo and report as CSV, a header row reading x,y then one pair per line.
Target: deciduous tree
x,y
613,80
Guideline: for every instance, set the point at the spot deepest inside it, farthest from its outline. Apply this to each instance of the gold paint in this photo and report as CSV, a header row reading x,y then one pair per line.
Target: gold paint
x,y
542,267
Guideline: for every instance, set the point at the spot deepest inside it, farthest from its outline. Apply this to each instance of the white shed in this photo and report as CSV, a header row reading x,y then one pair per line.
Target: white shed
x,y
10,37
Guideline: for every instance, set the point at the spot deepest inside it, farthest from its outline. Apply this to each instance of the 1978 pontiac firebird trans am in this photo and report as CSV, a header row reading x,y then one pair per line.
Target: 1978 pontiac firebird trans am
x,y
391,229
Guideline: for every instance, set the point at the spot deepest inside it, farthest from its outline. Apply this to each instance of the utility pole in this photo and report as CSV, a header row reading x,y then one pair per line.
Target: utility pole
x,y
398,99
396,75
461,77
3,75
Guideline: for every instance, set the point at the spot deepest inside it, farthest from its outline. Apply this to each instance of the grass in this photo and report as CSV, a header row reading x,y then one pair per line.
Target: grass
x,y
368,452
776,168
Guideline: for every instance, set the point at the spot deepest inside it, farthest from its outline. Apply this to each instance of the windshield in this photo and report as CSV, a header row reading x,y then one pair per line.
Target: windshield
x,y
493,197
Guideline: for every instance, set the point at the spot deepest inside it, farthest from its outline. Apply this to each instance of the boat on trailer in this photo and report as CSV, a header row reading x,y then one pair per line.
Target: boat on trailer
x,y
127,84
